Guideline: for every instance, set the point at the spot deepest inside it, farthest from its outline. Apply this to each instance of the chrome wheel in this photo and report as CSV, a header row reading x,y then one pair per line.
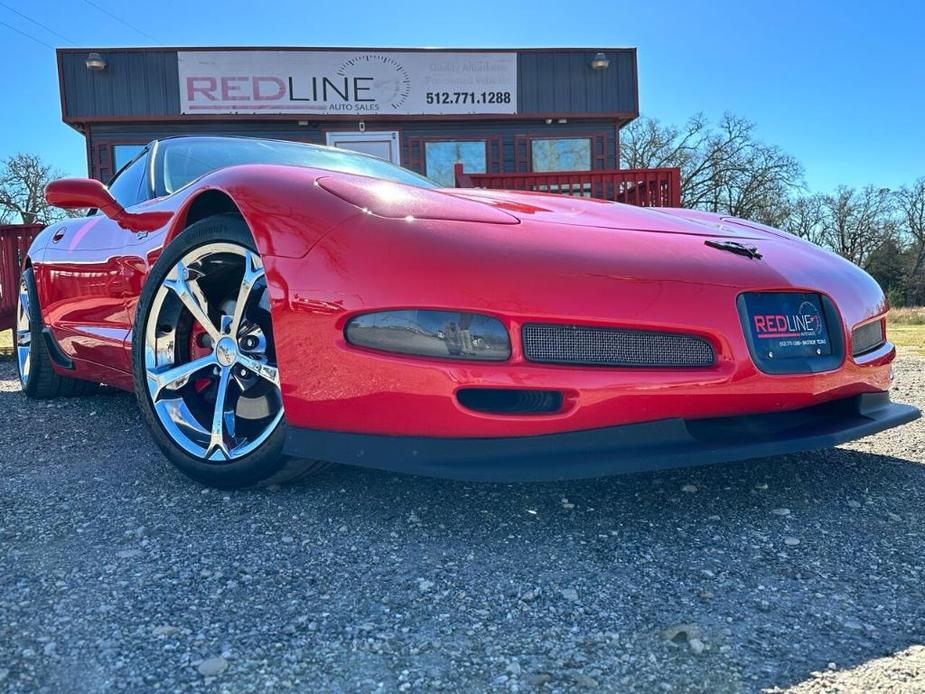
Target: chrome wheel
x,y
23,334
210,360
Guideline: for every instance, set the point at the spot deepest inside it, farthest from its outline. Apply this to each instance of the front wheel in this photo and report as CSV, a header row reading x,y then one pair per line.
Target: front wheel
x,y
204,356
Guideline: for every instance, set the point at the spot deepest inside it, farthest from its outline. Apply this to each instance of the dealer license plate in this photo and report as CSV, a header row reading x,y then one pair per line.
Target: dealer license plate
x,y
787,325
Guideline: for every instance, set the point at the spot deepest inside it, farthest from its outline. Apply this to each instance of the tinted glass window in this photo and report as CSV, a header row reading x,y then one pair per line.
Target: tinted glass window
x,y
184,160
129,187
562,154
442,156
123,154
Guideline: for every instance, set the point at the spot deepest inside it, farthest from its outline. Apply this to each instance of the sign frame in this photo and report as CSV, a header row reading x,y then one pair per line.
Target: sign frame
x,y
359,83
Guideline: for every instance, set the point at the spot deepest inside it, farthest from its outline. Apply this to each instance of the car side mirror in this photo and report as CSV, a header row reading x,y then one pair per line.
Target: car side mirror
x,y
76,193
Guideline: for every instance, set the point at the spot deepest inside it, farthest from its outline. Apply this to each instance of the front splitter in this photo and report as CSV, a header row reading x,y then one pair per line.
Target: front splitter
x,y
657,445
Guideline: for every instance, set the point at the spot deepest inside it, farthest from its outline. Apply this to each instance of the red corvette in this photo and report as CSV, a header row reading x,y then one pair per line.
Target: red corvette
x,y
277,306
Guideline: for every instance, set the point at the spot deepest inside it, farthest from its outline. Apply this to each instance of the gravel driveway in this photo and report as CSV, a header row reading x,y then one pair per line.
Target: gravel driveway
x,y
117,574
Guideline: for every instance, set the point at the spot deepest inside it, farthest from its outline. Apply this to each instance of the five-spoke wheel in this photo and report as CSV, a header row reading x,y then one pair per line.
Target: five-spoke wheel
x,y
209,356
205,360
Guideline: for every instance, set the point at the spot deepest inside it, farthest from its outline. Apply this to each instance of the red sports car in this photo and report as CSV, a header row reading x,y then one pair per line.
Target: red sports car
x,y
277,306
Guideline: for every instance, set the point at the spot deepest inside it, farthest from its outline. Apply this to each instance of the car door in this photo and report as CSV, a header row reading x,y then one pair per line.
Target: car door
x,y
86,272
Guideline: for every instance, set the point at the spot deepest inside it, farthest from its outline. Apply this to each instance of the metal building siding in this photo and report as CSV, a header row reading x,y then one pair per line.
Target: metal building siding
x,y
127,131
146,83
135,83
563,82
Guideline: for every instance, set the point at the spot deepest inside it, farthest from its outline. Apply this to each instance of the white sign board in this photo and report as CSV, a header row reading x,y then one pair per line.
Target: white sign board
x,y
337,82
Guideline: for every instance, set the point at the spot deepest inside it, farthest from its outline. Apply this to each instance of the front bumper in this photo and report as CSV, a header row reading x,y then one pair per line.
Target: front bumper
x,y
656,445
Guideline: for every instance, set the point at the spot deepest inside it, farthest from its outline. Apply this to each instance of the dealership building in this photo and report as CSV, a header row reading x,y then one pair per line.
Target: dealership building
x,y
505,111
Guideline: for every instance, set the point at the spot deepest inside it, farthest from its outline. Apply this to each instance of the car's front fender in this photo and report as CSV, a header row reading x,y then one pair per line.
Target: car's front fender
x,y
284,208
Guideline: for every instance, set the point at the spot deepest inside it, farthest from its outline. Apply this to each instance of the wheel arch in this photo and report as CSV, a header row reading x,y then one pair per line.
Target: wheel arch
x,y
214,202
34,256
287,214
205,203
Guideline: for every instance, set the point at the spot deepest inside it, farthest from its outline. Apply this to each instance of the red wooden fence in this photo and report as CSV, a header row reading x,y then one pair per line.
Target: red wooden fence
x,y
641,187
14,242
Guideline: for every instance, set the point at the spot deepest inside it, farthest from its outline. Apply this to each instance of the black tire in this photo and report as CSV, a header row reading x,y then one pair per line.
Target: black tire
x,y
264,465
42,382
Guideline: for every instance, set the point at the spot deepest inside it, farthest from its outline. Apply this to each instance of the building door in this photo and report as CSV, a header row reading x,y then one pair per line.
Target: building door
x,y
379,143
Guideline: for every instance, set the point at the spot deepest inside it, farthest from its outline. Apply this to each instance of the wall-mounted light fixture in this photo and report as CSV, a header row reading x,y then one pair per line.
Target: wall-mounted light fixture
x,y
600,62
95,62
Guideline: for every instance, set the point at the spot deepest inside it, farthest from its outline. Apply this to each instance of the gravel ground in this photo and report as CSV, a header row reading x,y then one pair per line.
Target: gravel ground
x,y
117,574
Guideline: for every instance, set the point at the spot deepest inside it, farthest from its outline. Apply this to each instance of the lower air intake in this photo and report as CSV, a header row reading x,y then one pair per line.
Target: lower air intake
x,y
568,344
510,400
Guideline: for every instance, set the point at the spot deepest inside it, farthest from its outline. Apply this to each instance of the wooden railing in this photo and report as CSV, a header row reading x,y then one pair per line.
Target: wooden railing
x,y
14,243
641,187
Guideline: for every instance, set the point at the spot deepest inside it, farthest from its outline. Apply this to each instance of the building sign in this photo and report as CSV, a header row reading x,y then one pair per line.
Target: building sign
x,y
360,83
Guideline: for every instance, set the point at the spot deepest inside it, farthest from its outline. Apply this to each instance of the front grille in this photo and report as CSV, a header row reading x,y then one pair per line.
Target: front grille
x,y
867,338
570,344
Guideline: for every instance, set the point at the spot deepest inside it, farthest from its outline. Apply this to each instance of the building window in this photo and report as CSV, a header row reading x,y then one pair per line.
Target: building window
x,y
439,158
561,154
123,154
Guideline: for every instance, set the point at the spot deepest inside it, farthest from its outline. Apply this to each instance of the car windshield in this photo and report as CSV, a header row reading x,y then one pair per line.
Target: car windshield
x,y
183,160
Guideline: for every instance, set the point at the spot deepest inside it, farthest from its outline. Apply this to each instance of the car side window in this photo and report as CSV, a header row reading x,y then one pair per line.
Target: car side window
x,y
130,185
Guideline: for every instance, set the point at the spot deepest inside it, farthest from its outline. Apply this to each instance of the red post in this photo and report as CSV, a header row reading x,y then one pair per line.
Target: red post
x,y
463,180
674,188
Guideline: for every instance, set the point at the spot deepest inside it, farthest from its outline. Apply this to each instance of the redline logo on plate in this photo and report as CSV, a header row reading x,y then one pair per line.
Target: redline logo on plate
x,y
805,323
347,82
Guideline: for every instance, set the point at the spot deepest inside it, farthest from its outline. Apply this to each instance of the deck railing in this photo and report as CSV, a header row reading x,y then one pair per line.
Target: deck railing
x,y
14,242
641,187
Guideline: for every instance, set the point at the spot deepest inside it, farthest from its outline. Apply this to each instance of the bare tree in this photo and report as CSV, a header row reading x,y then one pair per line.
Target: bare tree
x,y
856,222
803,217
755,185
910,204
724,168
648,144
23,178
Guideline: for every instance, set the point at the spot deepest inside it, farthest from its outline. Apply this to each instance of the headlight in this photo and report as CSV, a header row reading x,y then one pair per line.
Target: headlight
x,y
446,334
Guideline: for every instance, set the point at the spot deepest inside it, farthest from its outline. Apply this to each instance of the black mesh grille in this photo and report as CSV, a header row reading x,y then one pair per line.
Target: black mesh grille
x,y
867,337
568,344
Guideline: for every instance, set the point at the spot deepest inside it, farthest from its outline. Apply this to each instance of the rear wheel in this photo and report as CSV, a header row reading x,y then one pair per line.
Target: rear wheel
x,y
206,374
33,361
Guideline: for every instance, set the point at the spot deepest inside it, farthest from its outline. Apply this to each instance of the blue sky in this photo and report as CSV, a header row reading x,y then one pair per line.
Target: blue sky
x,y
841,85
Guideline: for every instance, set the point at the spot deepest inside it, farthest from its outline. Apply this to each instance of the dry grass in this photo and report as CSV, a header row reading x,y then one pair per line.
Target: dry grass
x,y
906,329
908,337
6,343
914,315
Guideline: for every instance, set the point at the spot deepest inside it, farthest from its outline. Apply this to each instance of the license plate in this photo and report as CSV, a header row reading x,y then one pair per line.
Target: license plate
x,y
787,325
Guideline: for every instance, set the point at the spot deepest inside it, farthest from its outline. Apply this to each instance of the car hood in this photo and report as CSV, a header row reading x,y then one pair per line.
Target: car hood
x,y
582,237
591,212
577,237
